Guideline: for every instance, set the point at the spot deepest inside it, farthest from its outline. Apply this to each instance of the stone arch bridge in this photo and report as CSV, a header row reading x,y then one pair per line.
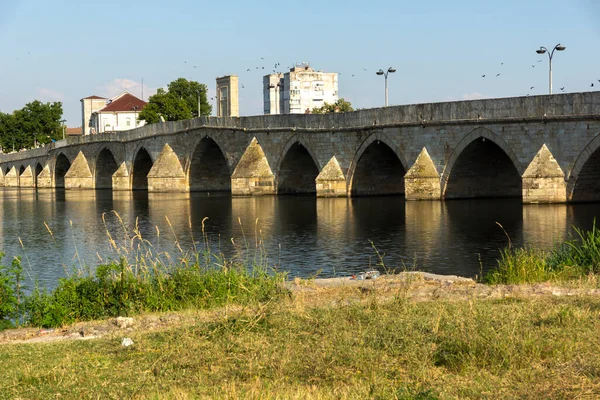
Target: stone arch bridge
x,y
541,149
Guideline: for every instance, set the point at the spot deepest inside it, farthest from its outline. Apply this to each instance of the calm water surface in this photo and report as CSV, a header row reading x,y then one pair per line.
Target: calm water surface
x,y
302,235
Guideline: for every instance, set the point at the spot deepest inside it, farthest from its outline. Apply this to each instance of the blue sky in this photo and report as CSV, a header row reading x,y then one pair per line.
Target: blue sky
x,y
66,50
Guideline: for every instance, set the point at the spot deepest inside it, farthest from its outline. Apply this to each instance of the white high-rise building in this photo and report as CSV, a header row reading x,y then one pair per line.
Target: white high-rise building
x,y
299,90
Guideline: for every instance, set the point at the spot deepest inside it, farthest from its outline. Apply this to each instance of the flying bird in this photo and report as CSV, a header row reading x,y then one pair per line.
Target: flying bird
x,y
185,62
501,63
364,69
262,58
483,76
562,88
248,70
533,87
592,85
194,66
352,74
242,86
497,74
539,61
533,66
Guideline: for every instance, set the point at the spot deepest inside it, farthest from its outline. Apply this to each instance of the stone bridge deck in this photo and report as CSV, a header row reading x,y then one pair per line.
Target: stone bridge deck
x,y
540,148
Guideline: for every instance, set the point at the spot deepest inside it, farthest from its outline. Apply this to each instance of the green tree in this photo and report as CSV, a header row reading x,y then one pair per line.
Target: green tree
x,y
340,105
36,122
179,101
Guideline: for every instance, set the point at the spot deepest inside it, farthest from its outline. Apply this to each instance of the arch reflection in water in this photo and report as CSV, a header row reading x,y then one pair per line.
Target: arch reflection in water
x,y
472,234
382,221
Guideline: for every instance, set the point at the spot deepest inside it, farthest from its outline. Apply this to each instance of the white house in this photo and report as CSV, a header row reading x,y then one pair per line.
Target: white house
x,y
118,114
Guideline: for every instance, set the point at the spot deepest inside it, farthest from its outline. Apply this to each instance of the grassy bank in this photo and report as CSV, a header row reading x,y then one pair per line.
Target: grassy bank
x,y
139,279
381,349
568,261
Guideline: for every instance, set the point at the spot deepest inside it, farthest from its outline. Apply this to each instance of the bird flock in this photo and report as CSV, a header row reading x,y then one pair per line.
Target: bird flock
x,y
276,67
562,89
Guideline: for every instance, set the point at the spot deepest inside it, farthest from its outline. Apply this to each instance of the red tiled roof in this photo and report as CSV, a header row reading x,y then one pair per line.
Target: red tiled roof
x,y
127,102
73,131
94,98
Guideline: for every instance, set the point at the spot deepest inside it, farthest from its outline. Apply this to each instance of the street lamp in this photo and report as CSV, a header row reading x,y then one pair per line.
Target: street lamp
x,y
385,74
543,50
135,108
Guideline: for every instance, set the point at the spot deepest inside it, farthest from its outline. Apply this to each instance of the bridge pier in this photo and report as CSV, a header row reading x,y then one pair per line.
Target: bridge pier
x,y
253,175
79,175
11,179
166,175
121,179
331,181
544,180
26,179
422,181
44,179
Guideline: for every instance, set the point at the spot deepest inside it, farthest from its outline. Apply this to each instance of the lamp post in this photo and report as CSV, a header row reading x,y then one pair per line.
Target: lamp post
x,y
385,74
135,108
543,50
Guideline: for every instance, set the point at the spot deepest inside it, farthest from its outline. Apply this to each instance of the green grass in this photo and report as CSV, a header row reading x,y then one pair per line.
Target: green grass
x,y
399,349
571,260
140,280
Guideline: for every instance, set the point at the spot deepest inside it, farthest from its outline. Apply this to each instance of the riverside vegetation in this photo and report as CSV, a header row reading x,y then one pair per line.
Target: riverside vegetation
x,y
243,336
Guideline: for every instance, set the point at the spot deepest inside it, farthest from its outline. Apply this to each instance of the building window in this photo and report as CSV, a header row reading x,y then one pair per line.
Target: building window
x,y
223,93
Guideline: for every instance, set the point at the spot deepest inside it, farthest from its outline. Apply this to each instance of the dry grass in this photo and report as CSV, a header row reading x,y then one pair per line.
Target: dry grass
x,y
369,344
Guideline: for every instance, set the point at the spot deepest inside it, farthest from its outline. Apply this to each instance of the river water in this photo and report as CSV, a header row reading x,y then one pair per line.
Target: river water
x,y
56,231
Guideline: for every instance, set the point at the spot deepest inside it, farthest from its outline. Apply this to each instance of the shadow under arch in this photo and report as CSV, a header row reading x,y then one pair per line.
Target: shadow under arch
x,y
142,164
378,168
208,169
38,171
482,165
297,169
106,166
61,167
583,184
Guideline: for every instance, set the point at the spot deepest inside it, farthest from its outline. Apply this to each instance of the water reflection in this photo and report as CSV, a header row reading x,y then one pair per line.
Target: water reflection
x,y
304,234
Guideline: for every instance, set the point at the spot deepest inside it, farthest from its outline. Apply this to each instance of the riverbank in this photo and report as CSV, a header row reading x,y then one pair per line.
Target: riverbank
x,y
412,335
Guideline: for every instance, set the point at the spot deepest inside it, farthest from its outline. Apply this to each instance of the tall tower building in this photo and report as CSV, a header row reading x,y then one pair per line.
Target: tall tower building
x,y
227,96
299,90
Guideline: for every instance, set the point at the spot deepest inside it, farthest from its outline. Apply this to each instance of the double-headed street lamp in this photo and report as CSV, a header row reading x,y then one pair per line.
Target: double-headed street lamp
x,y
543,50
380,72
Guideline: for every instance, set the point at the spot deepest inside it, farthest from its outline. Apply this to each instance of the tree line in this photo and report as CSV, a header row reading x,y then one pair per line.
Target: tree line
x,y
36,123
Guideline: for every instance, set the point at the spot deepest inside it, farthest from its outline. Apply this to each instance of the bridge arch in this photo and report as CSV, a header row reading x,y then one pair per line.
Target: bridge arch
x,y
584,181
61,167
38,171
378,167
208,169
297,169
106,166
142,164
482,165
